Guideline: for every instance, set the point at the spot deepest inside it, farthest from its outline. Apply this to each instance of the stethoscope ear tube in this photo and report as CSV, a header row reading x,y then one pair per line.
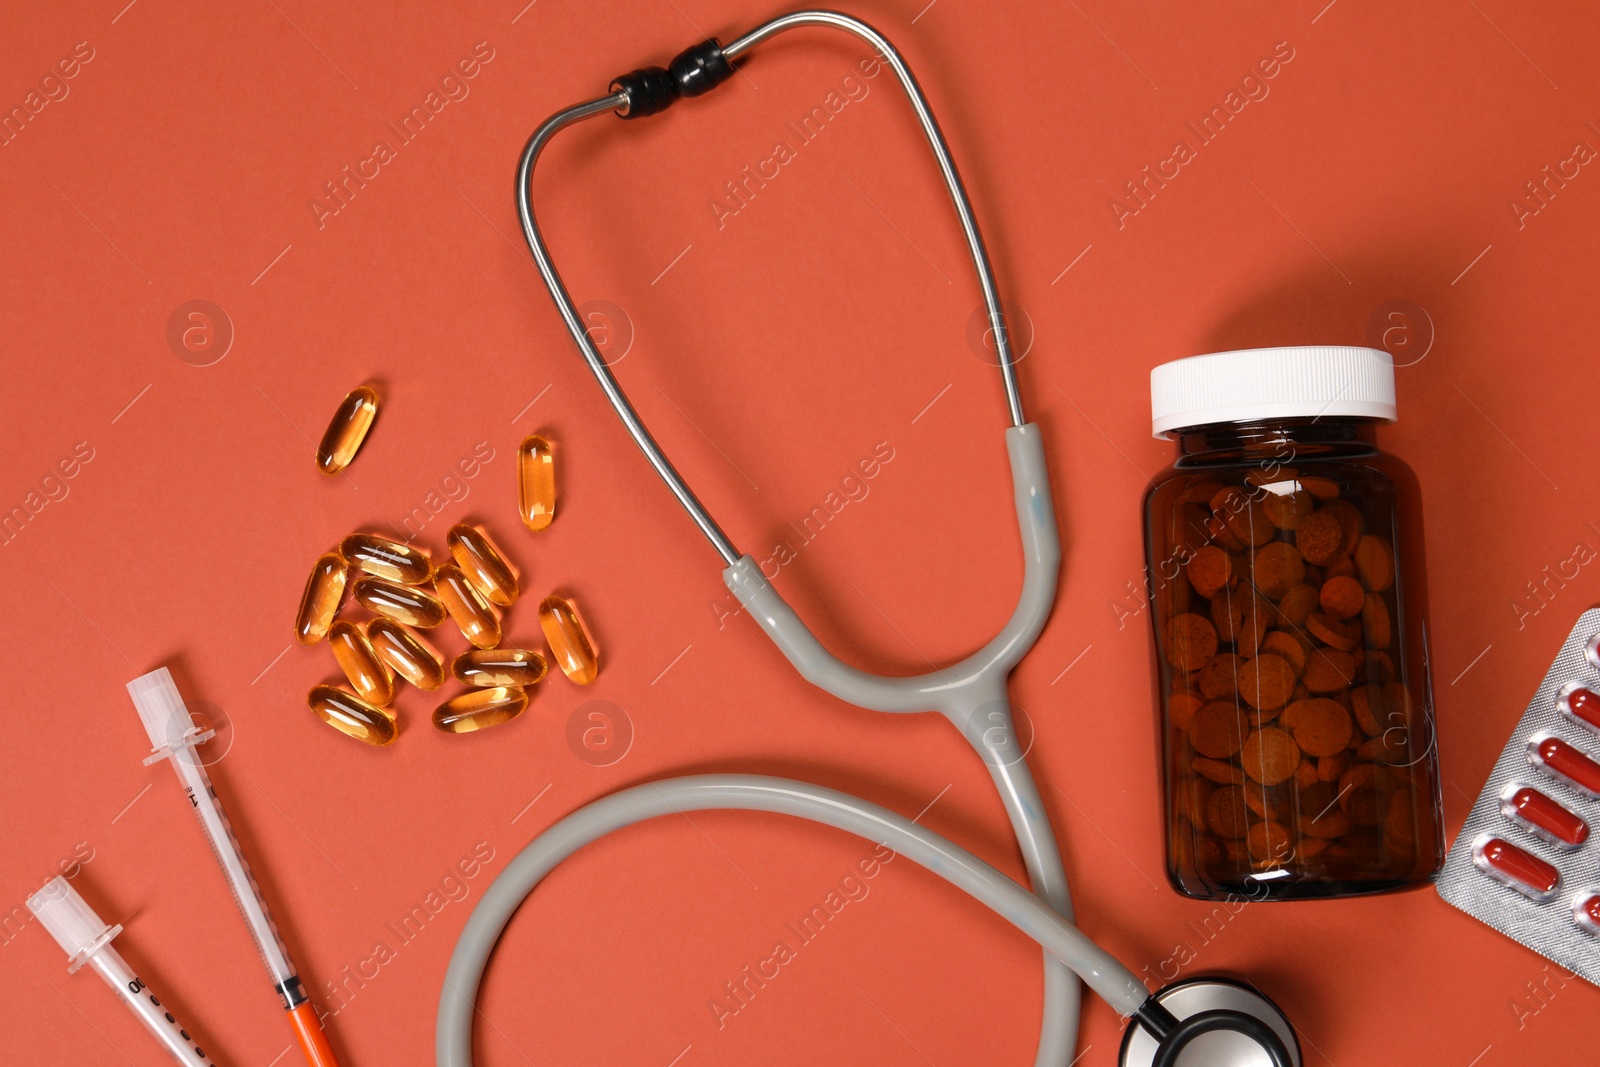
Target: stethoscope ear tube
x,y
696,70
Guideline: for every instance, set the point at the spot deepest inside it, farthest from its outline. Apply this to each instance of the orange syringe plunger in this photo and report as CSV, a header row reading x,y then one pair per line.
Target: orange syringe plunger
x,y
313,1042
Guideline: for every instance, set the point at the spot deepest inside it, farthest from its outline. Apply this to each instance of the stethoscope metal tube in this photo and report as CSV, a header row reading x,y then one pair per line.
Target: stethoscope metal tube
x,y
972,693
580,334
941,152
618,102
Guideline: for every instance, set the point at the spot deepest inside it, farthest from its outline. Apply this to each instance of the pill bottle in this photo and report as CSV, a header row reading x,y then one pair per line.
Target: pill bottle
x,y
1289,609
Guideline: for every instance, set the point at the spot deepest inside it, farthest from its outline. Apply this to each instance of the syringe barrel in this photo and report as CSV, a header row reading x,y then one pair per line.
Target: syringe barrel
x,y
167,721
86,939
246,893
143,1002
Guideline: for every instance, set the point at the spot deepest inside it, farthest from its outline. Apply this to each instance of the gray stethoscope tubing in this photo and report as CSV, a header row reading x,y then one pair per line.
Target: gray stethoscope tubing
x,y
972,693
712,792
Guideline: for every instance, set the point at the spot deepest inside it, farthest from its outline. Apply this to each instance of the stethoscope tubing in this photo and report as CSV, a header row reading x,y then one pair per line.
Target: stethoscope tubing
x,y
971,693
1120,987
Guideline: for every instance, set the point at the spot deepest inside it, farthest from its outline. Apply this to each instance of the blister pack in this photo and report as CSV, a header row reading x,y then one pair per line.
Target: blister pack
x,y
1525,861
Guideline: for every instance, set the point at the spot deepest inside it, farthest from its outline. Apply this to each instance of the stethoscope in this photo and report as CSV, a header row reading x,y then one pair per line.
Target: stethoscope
x,y
1228,1022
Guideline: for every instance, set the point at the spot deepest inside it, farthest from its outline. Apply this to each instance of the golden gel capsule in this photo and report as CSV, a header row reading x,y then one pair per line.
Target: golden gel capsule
x,y
349,714
368,676
536,482
487,667
480,560
569,639
324,591
342,440
406,653
480,709
477,619
386,558
409,604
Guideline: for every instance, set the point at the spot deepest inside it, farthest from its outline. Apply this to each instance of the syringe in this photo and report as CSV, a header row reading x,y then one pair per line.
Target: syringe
x,y
174,736
85,938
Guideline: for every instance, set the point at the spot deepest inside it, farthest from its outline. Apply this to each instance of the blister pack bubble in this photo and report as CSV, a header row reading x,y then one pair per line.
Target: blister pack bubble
x,y
1526,861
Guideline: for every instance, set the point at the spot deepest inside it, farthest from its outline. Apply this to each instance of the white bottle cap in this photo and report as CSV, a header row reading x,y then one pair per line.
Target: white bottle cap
x,y
1306,381
70,920
161,709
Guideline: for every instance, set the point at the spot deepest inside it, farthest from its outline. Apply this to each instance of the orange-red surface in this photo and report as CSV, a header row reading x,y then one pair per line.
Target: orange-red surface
x,y
772,342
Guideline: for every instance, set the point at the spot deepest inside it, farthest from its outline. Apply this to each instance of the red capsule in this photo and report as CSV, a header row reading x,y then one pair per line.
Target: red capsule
x,y
1509,865
1566,762
1544,818
1583,705
1586,910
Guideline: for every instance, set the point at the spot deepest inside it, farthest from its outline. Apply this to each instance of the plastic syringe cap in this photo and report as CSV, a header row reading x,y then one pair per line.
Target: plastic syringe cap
x,y
69,919
162,710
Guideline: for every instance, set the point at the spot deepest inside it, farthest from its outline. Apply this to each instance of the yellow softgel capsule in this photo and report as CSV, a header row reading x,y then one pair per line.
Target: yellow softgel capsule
x,y
478,620
569,639
481,561
387,559
536,482
359,660
342,439
409,604
351,715
480,709
488,667
324,591
406,653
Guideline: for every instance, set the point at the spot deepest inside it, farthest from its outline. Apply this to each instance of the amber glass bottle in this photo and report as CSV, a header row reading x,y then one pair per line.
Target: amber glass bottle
x,y
1289,610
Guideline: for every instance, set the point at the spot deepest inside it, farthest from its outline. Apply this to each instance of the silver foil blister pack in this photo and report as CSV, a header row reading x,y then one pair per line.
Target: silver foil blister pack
x,y
1526,861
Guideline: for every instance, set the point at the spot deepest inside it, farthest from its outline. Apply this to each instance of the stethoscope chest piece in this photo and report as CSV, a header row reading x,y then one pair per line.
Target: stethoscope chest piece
x,y
1225,1047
